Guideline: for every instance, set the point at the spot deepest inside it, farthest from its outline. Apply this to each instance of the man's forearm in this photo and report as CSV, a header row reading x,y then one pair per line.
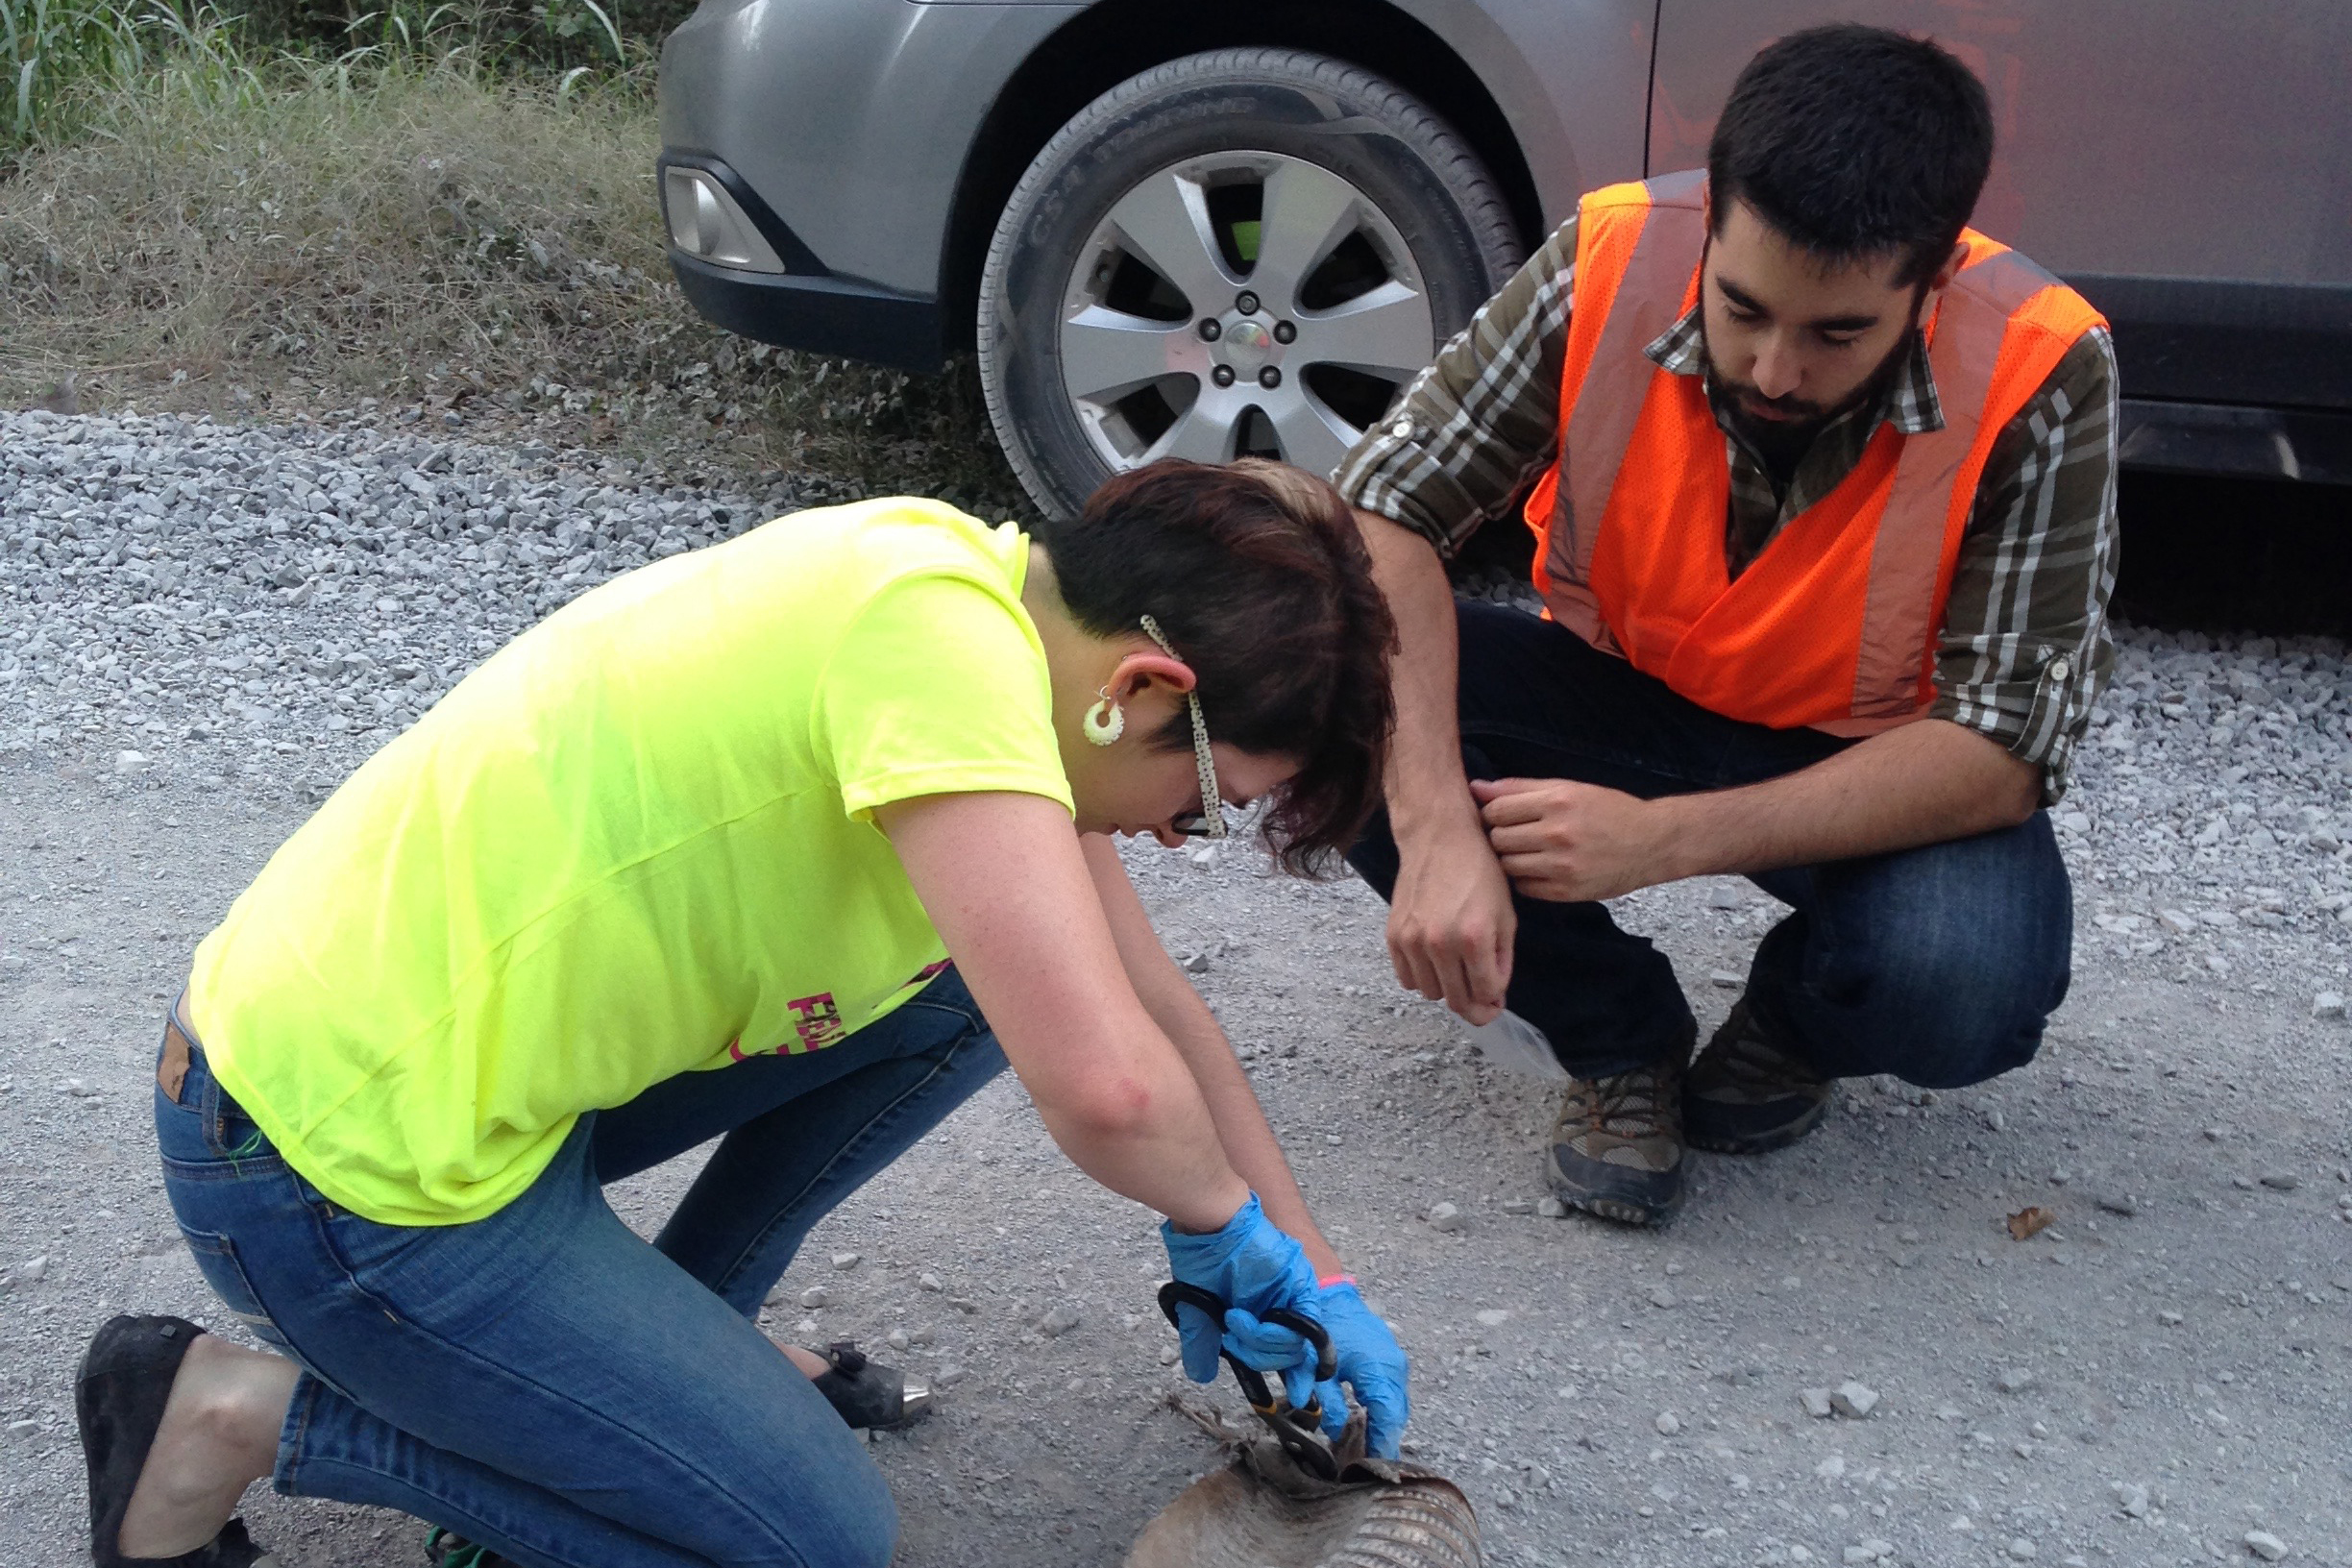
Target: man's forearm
x,y
1425,785
1922,783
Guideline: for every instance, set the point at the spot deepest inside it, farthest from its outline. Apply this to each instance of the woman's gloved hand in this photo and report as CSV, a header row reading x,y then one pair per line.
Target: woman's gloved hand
x,y
1371,1363
1251,1265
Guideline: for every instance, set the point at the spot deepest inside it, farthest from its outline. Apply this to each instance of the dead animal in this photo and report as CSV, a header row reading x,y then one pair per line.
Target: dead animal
x,y
1266,1510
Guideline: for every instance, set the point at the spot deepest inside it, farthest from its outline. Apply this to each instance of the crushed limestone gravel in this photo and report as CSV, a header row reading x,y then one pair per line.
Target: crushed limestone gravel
x,y
204,626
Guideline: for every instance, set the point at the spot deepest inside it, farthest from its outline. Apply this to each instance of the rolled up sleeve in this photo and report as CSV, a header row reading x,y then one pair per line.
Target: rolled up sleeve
x,y
1474,429
2024,648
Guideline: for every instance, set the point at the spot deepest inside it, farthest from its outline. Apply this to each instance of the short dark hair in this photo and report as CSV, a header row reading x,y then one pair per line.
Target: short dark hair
x,y
1259,577
1856,142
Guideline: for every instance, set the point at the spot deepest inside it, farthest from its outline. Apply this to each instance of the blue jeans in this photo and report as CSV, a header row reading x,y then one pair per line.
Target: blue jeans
x,y
1938,965
541,1380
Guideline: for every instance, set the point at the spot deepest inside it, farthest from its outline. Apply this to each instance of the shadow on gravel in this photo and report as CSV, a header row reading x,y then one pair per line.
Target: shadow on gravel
x,y
2232,556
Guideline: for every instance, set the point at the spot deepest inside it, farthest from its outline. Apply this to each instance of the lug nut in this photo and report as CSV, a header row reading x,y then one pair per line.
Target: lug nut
x,y
1210,330
1247,304
1223,376
1269,377
1284,333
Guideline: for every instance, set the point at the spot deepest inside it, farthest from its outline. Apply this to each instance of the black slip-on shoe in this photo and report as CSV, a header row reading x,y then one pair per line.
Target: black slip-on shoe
x,y
119,1393
867,1394
1750,1094
1616,1150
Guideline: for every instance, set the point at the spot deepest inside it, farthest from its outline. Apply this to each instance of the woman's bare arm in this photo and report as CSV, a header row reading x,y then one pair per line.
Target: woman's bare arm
x,y
1249,1143
1004,880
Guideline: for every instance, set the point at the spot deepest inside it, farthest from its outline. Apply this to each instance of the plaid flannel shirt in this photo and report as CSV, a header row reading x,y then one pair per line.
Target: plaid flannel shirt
x,y
2024,649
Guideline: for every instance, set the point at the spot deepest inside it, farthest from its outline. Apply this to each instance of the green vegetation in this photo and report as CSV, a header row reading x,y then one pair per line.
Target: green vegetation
x,y
446,212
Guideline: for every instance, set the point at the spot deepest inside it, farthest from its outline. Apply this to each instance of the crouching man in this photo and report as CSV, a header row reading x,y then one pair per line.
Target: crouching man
x,y
1825,514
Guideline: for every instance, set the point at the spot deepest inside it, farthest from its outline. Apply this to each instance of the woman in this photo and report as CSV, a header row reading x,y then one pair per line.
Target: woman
x,y
771,842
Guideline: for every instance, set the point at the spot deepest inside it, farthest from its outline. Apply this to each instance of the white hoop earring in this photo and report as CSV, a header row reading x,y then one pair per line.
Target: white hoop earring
x,y
1105,722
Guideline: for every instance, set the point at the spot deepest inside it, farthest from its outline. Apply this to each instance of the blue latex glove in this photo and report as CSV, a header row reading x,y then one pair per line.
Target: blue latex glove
x,y
1371,1363
1250,1265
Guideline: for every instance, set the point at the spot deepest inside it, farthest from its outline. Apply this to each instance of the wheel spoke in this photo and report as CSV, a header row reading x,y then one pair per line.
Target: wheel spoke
x,y
1205,433
1312,437
1384,333
1306,211
1108,354
1165,222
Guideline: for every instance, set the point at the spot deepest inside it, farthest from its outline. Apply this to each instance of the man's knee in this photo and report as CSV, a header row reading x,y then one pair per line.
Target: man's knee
x,y
1954,1008
1942,967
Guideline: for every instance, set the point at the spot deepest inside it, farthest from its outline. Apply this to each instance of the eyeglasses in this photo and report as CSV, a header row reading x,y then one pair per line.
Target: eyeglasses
x,y
1208,822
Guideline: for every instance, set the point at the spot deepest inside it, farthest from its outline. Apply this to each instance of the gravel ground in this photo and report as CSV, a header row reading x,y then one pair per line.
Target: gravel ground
x,y
202,627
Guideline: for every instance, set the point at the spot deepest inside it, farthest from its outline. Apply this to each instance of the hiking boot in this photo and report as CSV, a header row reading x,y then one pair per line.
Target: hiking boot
x,y
1617,1149
1748,1093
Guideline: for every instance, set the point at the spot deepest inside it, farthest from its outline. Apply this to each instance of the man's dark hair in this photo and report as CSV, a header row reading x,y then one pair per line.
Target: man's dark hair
x,y
1855,143
1260,579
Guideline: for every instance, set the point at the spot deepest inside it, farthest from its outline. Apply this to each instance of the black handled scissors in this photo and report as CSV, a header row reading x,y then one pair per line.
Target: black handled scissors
x,y
1299,1428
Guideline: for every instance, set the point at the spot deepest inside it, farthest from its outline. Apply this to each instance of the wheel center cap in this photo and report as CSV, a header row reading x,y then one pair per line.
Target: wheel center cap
x,y
1246,344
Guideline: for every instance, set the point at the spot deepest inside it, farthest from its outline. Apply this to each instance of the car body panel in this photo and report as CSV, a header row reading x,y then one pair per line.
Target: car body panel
x,y
1571,76
819,106
2133,139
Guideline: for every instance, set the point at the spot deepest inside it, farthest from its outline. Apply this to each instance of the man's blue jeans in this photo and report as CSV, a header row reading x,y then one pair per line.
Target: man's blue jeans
x,y
541,1380
1937,964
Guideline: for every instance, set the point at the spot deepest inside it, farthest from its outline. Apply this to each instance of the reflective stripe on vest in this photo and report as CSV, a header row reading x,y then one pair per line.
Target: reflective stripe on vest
x,y
1834,624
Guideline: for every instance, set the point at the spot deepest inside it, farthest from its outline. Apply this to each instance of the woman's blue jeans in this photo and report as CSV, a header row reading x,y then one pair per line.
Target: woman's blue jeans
x,y
1938,965
544,1381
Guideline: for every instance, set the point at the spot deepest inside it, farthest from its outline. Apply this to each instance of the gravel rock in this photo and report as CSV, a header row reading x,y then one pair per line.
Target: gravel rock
x,y
816,1296
1445,1216
1551,1208
2281,1180
2131,1500
848,1260
1853,1400
1667,1423
1060,1318
2014,1380
1816,1403
2266,1546
2328,1004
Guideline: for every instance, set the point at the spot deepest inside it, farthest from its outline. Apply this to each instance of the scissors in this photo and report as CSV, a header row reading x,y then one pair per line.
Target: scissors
x,y
1299,1428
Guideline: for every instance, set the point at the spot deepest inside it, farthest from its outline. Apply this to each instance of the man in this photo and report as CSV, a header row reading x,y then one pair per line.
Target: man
x,y
1824,514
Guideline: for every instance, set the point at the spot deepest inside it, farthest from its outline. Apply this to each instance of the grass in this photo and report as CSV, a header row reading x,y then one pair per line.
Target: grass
x,y
196,223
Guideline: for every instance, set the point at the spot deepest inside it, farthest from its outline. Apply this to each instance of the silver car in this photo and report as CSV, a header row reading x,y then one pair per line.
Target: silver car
x,y
1224,226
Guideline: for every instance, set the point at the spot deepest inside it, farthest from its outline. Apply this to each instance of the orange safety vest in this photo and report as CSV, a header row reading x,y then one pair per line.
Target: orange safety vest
x,y
1834,624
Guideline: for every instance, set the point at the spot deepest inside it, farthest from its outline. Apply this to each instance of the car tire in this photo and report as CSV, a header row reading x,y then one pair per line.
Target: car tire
x,y
1114,312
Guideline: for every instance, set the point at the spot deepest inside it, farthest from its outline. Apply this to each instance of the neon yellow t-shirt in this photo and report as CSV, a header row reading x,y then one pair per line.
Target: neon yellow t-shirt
x,y
635,842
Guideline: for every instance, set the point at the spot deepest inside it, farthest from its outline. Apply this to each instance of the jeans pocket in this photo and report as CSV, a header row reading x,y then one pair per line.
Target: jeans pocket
x,y
217,1260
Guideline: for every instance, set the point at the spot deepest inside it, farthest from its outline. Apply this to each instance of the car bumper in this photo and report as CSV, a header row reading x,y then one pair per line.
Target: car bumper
x,y
819,315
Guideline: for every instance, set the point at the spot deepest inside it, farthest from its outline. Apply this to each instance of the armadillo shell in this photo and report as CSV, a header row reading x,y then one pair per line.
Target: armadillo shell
x,y
1261,1512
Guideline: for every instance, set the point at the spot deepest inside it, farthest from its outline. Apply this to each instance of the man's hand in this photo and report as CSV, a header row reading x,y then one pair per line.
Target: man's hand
x,y
1571,842
1450,924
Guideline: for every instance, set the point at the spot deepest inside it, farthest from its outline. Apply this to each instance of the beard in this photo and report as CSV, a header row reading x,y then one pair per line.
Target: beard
x,y
1785,428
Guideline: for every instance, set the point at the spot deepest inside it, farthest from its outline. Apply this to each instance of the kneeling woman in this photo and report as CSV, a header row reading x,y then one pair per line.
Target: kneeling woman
x,y
774,843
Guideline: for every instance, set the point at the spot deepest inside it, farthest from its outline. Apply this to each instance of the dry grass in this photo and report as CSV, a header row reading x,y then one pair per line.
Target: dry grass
x,y
430,236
